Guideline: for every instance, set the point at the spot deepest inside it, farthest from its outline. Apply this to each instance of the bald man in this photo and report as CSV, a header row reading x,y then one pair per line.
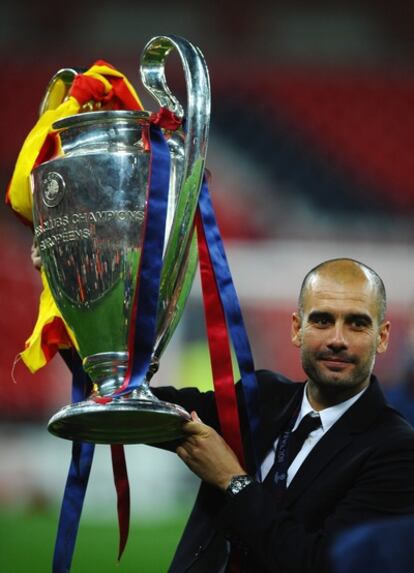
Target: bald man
x,y
333,454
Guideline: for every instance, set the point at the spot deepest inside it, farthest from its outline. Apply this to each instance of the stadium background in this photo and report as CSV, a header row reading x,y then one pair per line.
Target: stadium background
x,y
311,155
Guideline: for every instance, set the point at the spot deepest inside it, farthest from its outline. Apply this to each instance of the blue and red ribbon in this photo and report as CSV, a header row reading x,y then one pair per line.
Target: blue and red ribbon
x,y
223,318
78,477
144,313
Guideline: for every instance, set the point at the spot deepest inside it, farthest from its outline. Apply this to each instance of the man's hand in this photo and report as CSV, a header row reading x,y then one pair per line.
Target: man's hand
x,y
35,256
207,454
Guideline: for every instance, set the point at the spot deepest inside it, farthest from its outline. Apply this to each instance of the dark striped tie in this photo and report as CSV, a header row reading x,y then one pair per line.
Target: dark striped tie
x,y
308,424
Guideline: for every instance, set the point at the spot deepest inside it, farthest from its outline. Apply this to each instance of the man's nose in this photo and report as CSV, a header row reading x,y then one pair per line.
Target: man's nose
x,y
338,339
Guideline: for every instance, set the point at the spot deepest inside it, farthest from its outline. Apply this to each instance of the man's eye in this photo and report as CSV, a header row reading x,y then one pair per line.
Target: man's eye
x,y
359,324
321,321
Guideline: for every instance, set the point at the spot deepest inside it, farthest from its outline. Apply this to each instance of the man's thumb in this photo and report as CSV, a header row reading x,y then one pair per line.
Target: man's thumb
x,y
194,417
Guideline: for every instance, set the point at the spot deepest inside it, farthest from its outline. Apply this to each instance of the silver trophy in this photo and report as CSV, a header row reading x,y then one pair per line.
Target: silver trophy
x,y
89,220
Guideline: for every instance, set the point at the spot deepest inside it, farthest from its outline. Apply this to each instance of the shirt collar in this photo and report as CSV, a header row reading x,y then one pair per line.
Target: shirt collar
x,y
329,415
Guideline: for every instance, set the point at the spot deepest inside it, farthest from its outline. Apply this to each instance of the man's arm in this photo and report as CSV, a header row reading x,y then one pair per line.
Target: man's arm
x,y
191,399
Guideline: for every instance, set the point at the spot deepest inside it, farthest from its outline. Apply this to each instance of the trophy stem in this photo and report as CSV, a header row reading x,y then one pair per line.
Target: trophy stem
x,y
135,418
107,370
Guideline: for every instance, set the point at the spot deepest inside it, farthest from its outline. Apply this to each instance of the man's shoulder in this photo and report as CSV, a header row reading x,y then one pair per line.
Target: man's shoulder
x,y
274,382
373,414
394,421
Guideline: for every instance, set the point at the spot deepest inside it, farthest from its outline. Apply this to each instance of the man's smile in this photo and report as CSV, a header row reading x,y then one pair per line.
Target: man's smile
x,y
336,364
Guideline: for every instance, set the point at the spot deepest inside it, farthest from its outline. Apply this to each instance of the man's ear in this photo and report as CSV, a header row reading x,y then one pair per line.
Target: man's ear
x,y
383,337
296,330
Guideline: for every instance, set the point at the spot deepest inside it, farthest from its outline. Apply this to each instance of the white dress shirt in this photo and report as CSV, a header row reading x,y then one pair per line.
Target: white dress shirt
x,y
328,418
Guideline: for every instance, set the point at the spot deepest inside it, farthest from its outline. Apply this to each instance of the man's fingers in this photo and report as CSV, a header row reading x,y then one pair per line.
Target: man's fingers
x,y
190,441
35,256
196,428
182,453
192,428
187,454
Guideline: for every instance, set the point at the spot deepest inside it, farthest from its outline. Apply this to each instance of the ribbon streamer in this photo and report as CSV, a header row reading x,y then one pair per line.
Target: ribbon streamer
x,y
78,477
219,347
122,491
142,331
230,303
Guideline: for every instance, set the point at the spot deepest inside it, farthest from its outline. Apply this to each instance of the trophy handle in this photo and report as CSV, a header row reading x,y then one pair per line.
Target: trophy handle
x,y
197,80
188,152
58,88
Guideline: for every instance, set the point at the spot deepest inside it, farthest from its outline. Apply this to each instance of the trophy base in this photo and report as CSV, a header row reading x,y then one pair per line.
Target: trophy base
x,y
119,421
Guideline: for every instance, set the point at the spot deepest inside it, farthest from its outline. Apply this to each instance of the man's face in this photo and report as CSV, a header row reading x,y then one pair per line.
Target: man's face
x,y
339,331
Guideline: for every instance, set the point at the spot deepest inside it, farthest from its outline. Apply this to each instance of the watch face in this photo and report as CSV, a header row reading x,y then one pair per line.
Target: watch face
x,y
237,486
238,483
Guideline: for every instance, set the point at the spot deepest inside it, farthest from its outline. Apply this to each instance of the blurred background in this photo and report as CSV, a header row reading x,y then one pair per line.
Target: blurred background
x,y
311,157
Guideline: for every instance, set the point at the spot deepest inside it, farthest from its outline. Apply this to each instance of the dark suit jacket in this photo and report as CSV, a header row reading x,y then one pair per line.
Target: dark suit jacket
x,y
361,470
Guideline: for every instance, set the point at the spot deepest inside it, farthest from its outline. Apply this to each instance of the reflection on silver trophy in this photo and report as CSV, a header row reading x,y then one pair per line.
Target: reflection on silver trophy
x,y
89,217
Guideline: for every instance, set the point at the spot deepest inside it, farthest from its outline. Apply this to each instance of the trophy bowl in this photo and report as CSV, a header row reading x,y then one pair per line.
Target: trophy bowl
x,y
89,218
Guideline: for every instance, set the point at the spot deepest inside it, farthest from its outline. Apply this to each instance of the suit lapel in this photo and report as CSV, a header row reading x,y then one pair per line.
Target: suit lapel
x,y
273,421
329,446
355,420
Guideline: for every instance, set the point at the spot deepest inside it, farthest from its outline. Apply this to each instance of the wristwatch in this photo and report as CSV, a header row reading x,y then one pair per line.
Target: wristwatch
x,y
237,484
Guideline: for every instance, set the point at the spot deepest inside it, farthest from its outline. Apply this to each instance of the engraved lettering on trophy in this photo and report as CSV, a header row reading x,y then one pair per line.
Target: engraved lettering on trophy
x,y
78,218
50,224
55,223
65,237
107,216
53,189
